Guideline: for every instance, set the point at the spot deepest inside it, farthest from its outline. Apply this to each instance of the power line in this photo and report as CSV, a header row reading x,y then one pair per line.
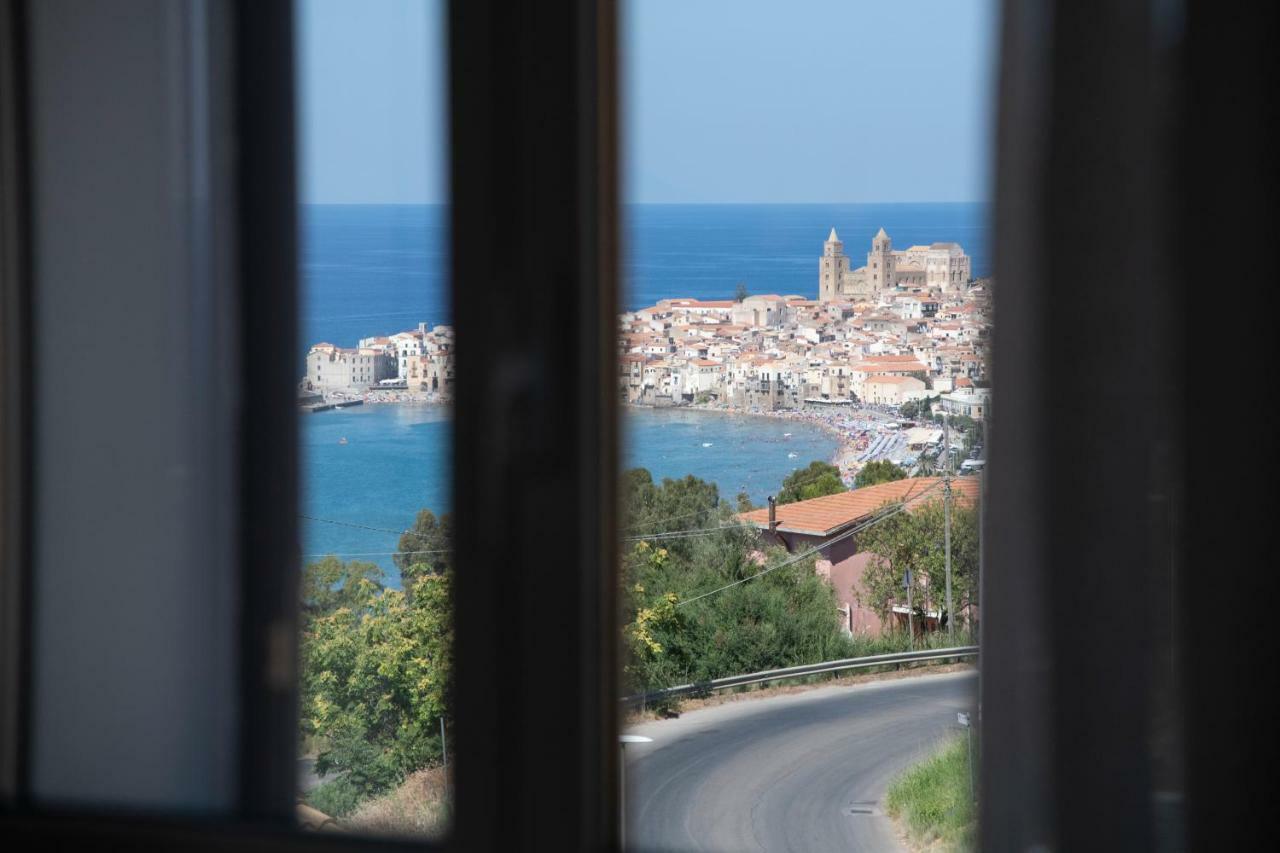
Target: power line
x,y
374,553
680,534
857,529
355,525
665,520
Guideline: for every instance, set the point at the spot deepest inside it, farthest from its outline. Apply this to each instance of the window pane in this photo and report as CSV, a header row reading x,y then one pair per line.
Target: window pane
x,y
802,366
377,380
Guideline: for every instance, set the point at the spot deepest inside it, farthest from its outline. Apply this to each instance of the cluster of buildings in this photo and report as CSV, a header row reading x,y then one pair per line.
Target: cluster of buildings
x,y
909,324
417,360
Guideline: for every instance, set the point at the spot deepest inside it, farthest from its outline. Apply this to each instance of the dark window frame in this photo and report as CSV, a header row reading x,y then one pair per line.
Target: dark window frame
x,y
1085,86
536,686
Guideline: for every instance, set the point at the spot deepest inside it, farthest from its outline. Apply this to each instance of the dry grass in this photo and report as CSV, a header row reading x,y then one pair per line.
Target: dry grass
x,y
724,696
418,808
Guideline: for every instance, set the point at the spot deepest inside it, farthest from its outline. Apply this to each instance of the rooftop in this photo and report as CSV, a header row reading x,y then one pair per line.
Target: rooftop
x,y
828,515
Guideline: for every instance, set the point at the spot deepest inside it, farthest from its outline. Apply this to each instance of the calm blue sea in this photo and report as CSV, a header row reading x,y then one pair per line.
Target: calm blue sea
x,y
377,269
370,270
395,461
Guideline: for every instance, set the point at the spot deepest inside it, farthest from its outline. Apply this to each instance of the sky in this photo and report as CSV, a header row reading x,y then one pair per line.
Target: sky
x,y
724,101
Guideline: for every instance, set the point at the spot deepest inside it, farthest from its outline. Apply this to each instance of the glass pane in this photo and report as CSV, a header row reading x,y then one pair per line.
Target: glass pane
x,y
803,375
377,379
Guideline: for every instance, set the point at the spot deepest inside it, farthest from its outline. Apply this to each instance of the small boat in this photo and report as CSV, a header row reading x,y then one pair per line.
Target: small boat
x,y
786,435
706,444
791,456
342,440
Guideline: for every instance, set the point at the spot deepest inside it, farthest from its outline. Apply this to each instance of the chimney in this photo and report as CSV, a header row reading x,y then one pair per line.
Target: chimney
x,y
773,515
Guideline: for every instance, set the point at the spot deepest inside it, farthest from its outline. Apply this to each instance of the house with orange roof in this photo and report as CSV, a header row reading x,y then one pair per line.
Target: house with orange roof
x,y
827,523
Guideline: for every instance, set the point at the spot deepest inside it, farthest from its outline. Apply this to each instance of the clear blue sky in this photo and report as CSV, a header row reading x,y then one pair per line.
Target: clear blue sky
x,y
724,100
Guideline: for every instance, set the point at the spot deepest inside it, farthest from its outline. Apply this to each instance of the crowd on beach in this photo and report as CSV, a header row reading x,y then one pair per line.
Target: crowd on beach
x,y
856,430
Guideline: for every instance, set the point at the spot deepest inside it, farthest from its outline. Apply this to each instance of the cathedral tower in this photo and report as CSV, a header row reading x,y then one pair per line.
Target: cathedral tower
x,y
832,268
880,262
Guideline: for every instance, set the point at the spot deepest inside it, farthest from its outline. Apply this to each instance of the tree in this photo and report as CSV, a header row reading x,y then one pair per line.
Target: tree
x,y
915,540
740,292
919,409
674,505
815,481
427,547
376,670
330,584
878,471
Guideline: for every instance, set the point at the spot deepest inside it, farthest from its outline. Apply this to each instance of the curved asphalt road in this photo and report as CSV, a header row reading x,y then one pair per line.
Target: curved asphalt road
x,y
803,772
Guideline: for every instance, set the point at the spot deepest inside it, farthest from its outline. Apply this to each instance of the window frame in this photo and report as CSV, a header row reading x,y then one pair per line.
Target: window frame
x,y
525,762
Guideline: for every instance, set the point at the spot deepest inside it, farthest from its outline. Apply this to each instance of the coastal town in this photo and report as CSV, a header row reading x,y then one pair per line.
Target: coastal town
x,y
909,325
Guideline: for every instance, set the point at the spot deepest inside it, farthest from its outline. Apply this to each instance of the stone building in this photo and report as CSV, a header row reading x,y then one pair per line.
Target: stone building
x,y
943,266
333,368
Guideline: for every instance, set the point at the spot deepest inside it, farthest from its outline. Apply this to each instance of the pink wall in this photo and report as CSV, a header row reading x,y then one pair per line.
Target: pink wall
x,y
842,567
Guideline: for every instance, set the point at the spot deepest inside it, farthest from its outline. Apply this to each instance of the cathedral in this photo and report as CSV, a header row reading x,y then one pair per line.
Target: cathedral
x,y
944,266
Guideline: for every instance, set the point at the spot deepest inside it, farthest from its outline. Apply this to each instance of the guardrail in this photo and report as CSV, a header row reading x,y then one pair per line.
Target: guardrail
x,y
641,699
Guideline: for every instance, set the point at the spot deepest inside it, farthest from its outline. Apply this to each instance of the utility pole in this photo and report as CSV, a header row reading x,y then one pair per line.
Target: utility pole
x,y
946,513
911,621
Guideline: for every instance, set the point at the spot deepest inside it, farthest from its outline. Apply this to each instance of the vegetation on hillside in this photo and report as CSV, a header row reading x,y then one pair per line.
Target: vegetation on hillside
x,y
878,471
702,598
376,666
688,615
816,481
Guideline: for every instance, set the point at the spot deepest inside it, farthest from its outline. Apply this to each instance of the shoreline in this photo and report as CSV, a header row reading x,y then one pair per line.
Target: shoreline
x,y
835,423
848,428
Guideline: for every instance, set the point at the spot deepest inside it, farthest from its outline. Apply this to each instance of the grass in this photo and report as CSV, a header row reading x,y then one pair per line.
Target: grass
x,y
931,801
418,808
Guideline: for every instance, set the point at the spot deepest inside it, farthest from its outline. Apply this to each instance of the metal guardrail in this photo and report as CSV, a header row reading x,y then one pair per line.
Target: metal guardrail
x,y
704,687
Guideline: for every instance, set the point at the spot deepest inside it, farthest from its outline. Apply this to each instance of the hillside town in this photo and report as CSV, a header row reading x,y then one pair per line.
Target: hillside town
x,y
909,325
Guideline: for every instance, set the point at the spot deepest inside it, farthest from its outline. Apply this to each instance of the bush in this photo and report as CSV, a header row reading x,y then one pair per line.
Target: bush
x,y
337,798
783,618
818,480
376,668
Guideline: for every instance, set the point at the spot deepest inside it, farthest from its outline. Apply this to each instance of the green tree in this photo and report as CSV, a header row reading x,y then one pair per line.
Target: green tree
x,y
878,471
915,540
686,618
740,292
330,584
673,505
926,465
815,481
427,547
376,668
919,409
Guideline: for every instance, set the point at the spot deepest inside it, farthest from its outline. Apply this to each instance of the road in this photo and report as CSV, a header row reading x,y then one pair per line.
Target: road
x,y
804,771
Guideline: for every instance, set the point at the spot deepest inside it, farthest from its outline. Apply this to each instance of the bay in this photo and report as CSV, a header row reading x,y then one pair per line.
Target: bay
x,y
395,460
377,269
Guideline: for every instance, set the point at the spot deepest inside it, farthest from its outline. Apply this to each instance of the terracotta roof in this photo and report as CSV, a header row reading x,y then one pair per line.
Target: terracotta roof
x,y
827,515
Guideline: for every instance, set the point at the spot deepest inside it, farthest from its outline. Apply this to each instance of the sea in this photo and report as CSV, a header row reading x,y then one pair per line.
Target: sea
x,y
377,269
